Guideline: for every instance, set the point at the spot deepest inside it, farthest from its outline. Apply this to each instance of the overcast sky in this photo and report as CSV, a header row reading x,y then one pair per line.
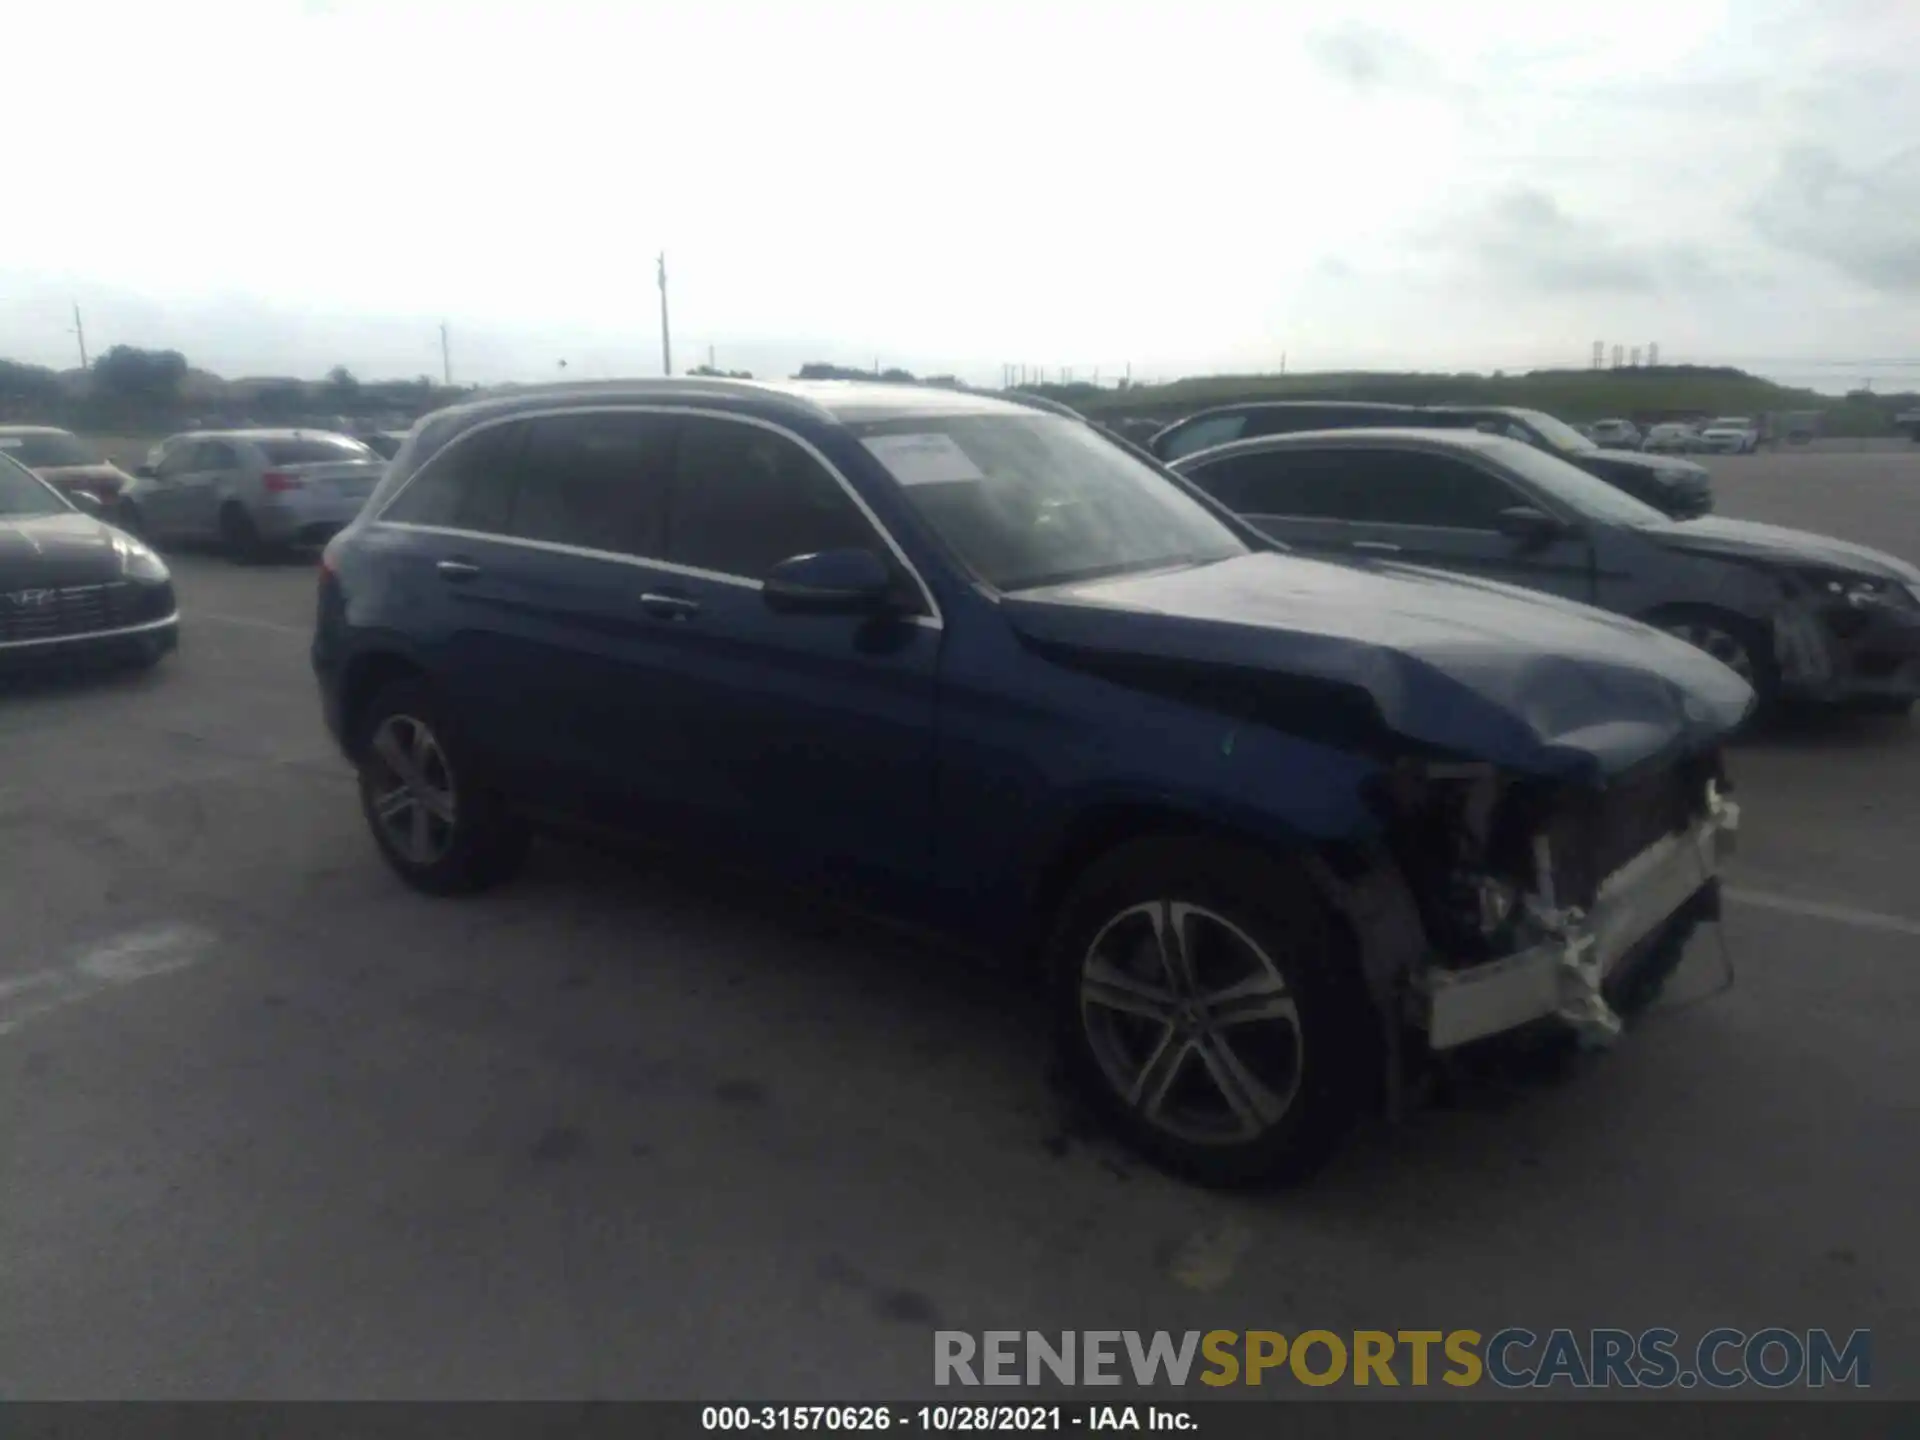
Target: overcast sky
x,y
276,187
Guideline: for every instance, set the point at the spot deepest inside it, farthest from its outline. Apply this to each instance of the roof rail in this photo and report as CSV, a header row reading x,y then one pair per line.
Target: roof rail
x,y
684,385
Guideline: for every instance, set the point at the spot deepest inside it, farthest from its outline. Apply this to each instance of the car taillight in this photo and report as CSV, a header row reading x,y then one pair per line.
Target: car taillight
x,y
278,482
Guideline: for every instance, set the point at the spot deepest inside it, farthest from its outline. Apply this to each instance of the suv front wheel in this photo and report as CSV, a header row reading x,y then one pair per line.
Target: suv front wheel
x,y
437,823
1205,1006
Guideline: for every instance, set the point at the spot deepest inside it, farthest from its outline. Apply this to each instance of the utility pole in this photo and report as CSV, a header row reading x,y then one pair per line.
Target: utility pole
x,y
710,362
666,335
80,333
446,358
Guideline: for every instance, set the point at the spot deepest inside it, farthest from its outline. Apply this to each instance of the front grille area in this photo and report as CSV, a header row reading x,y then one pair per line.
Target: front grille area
x,y
1599,831
76,610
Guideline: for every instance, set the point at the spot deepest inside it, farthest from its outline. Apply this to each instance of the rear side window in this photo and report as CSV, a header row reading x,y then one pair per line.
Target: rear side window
x,y
216,455
1405,487
1303,484
467,486
312,451
597,481
1203,434
745,498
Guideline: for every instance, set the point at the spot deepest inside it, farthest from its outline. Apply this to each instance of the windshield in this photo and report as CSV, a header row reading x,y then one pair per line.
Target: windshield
x,y
1591,496
1032,500
1557,433
24,493
314,450
48,449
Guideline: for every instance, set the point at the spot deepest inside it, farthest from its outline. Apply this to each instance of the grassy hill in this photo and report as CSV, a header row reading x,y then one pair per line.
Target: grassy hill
x,y
1647,395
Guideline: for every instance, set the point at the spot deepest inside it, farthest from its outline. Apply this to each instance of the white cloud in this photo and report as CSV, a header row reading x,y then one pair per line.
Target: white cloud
x,y
952,186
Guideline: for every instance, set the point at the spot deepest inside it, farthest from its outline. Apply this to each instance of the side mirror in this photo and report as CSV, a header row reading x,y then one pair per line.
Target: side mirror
x,y
1533,527
829,582
87,501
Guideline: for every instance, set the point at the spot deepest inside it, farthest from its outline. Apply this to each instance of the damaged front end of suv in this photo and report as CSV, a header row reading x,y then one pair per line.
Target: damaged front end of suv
x,y
1544,902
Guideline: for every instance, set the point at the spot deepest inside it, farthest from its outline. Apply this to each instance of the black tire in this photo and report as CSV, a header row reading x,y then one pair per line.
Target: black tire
x,y
1697,624
238,535
482,845
1322,1070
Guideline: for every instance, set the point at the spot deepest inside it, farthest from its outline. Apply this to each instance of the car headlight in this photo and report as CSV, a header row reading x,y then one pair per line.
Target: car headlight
x,y
137,561
1861,590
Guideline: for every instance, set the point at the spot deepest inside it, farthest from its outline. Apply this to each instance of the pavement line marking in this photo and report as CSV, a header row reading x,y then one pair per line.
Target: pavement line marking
x,y
1817,910
116,961
248,622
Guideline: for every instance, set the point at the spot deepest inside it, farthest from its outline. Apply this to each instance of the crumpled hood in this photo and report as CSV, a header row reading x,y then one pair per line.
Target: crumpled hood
x,y
1478,669
1750,540
55,550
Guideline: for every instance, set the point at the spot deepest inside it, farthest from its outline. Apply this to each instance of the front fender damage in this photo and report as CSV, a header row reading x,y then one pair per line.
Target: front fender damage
x,y
1557,947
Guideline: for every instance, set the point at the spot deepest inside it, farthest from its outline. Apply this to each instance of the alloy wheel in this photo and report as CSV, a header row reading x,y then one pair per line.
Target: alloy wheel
x,y
410,790
1192,1023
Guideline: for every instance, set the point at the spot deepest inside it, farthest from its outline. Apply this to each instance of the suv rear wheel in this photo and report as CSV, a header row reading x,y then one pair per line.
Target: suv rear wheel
x,y
439,825
1203,1005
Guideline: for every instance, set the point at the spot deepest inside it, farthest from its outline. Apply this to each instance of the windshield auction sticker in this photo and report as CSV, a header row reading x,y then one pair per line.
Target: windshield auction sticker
x,y
924,459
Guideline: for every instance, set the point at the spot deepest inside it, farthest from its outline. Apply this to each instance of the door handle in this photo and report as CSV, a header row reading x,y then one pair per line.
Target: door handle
x,y
457,569
1379,547
669,607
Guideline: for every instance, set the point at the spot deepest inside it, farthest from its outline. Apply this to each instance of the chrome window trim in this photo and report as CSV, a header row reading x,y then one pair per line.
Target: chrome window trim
x,y
933,620
141,629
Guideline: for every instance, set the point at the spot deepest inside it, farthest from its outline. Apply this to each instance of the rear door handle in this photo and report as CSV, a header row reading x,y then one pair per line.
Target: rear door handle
x,y
457,569
1379,547
669,607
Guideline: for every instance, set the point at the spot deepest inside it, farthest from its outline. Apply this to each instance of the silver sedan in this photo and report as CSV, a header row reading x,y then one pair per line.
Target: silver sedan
x,y
250,489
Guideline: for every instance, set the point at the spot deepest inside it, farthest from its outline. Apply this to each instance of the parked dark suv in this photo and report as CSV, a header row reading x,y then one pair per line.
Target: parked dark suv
x,y
1274,827
1676,487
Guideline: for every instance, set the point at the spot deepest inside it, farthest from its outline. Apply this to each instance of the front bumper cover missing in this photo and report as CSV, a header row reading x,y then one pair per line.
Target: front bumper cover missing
x,y
1563,975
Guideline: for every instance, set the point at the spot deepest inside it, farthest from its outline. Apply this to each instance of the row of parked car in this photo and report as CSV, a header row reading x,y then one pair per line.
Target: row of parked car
x,y
1292,757
1728,435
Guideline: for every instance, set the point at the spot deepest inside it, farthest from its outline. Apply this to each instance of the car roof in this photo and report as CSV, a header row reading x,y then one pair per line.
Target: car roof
x,y
842,401
1398,436
1377,407
33,430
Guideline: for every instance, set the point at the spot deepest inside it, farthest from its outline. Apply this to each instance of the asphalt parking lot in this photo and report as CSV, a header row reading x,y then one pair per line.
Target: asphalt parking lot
x,y
274,1126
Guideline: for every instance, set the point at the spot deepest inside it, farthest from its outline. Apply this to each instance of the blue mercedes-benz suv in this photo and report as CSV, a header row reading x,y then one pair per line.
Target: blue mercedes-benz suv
x,y
1274,827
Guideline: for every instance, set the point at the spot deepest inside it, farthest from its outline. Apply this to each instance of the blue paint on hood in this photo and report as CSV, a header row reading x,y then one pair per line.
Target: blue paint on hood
x,y
1476,669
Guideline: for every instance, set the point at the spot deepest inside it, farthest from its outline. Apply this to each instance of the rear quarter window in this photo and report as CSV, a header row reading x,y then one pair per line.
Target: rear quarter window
x,y
313,452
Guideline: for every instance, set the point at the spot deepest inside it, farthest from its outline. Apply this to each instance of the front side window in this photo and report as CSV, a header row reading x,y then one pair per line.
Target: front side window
x,y
745,498
23,493
467,486
1029,500
596,481
1203,434
217,455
